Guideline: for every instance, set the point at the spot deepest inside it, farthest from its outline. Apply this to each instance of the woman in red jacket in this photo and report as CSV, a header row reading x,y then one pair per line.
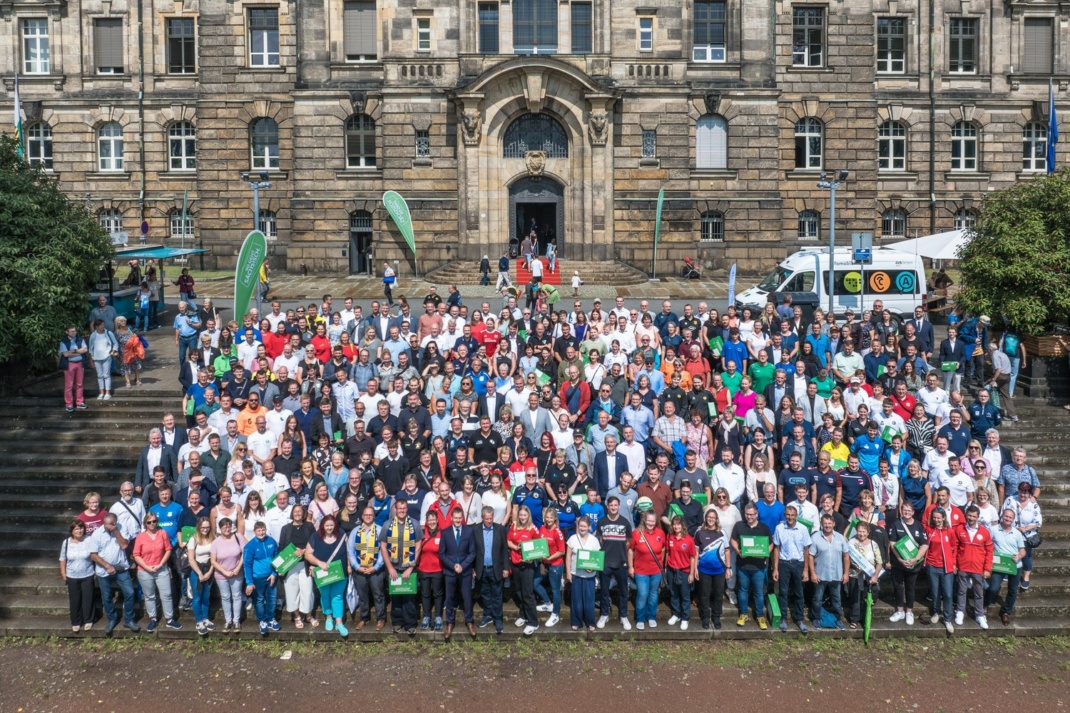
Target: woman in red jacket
x,y
974,564
940,561
646,563
321,344
429,570
555,567
523,530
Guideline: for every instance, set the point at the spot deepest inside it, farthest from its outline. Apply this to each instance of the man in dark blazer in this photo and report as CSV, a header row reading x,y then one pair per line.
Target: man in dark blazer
x,y
382,323
923,329
952,349
491,567
607,476
320,421
161,452
458,555
174,436
490,403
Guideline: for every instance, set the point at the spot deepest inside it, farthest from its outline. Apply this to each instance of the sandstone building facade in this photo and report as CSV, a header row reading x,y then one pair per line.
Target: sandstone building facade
x,y
493,115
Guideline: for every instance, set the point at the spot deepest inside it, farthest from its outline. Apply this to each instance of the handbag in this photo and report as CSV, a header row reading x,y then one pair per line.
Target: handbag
x,y
664,583
1033,539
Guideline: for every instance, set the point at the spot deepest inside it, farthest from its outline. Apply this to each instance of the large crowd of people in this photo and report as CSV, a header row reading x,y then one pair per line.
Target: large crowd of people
x,y
328,465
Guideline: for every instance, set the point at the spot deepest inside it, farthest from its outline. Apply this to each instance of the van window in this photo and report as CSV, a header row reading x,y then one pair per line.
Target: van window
x,y
800,282
774,279
875,283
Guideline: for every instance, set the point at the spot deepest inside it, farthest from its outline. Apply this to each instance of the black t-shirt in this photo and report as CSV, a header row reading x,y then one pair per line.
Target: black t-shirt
x,y
485,448
898,530
558,479
742,529
287,466
789,478
614,536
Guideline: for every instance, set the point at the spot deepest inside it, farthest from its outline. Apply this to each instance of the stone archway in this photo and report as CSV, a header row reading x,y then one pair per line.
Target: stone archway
x,y
538,204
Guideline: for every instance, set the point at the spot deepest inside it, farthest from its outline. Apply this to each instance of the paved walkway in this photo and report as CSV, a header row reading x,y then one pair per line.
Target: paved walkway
x,y
294,287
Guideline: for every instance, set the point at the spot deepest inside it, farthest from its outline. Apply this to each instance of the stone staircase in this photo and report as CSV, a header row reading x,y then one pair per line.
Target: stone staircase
x,y
466,272
52,459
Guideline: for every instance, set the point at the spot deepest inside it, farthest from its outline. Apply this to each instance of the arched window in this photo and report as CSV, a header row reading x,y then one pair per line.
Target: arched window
x,y
965,219
182,146
264,142
893,223
711,142
360,141
892,147
712,227
809,143
176,224
963,147
268,224
39,144
809,225
110,147
536,132
111,220
1035,147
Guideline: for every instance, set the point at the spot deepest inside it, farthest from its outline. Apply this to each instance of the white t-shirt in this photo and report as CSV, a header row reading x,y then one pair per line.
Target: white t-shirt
x,y
498,503
261,444
276,421
732,479
536,268
274,319
932,399
371,405
936,466
960,486
290,362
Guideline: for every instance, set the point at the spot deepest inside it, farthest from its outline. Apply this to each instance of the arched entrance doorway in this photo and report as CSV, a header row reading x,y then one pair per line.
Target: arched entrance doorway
x,y
537,204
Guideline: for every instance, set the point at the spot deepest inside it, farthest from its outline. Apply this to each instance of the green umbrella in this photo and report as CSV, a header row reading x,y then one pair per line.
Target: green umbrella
x,y
869,617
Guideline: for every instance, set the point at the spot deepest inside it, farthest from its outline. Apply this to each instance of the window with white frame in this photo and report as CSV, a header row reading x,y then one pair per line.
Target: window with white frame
x,y
965,219
963,147
892,147
893,223
180,228
423,34
110,147
39,145
962,52
108,45
264,143
808,36
181,46
264,37
809,225
891,45
269,224
36,58
646,34
711,142
1035,147
711,227
111,220
182,146
809,143
360,141
708,32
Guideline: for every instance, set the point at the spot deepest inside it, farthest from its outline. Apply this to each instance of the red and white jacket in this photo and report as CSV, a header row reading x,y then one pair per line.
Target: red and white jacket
x,y
974,549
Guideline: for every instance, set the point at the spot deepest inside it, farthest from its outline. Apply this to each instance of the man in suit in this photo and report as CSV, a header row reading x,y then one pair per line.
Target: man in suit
x,y
535,418
491,567
491,402
783,385
953,349
458,555
174,436
157,453
329,422
382,323
923,329
609,466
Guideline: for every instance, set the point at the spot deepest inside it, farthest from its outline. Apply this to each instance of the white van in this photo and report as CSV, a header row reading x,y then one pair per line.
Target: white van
x,y
896,278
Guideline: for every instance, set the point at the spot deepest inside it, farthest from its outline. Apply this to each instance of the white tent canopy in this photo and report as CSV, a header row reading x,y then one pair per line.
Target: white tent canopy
x,y
941,246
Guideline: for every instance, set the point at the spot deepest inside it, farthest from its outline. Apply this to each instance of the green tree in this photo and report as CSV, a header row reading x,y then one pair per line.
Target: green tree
x,y
51,254
1017,266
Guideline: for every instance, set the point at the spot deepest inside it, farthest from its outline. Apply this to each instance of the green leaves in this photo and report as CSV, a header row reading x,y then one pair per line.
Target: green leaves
x,y
1017,266
51,254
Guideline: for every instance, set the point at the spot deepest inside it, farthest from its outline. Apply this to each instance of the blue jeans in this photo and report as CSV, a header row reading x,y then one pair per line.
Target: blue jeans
x,y
832,588
941,584
994,585
553,575
123,581
264,599
184,344
1027,561
646,596
679,594
1016,363
332,599
583,601
748,580
202,592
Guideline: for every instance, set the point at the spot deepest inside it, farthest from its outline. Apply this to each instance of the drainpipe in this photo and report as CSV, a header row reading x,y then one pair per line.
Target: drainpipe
x,y
141,105
932,118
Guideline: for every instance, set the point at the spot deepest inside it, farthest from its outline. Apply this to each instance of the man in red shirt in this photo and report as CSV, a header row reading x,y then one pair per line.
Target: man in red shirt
x,y
974,563
903,402
575,396
943,501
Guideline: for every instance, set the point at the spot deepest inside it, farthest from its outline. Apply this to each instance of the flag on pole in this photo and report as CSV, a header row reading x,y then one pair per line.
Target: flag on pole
x,y
657,231
18,120
732,285
1053,126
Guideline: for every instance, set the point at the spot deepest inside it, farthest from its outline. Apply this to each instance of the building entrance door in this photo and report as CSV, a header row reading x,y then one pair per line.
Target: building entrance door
x,y
537,205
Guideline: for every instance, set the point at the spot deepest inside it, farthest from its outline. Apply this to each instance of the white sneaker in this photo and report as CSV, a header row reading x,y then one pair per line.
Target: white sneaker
x,y
602,620
950,627
910,618
934,619
627,625
652,624
519,623
982,621
674,620
898,616
683,626
100,397
959,616
732,597
554,618
640,625
107,396
545,607
530,629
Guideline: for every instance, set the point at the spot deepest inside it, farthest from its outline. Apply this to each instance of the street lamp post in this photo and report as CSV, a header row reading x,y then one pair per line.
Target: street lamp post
x,y
832,185
256,185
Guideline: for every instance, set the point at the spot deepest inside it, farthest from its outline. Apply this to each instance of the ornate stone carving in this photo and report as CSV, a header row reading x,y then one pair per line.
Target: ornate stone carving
x,y
535,162
598,128
358,100
471,123
712,100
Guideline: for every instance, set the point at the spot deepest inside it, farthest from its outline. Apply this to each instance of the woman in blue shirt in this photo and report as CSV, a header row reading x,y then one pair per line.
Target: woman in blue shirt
x,y
713,568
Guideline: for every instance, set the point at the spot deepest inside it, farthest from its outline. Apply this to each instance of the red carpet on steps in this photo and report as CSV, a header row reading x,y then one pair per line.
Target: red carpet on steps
x,y
523,275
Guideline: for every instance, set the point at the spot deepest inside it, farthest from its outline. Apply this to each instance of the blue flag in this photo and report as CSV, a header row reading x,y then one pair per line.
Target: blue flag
x,y
1053,128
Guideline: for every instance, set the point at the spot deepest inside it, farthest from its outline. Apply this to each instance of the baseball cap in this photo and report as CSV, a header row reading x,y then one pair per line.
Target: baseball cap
x,y
277,399
985,319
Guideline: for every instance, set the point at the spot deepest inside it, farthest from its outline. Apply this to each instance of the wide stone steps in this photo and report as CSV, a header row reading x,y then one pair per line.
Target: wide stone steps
x,y
466,272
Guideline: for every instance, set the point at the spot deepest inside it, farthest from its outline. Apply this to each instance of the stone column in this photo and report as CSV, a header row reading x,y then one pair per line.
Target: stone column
x,y
313,57
599,178
470,127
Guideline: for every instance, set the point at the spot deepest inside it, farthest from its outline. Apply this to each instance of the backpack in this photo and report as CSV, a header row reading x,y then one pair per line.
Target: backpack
x,y
1010,345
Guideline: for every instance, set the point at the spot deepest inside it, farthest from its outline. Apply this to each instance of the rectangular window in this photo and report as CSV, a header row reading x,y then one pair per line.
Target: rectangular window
x,y
808,37
891,45
1037,46
181,46
35,50
488,28
423,143
108,45
646,34
264,37
708,44
535,26
650,143
423,34
582,37
963,50
358,28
